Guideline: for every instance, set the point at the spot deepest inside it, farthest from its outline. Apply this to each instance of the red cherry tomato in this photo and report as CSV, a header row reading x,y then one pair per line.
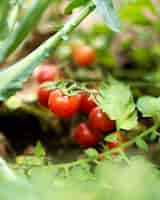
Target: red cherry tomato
x,y
43,96
115,144
62,105
100,121
47,72
86,137
86,105
84,55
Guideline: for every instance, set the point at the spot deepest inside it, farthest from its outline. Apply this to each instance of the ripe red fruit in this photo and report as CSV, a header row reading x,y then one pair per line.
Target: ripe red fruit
x,y
100,121
62,105
86,105
47,72
86,137
115,143
84,55
43,96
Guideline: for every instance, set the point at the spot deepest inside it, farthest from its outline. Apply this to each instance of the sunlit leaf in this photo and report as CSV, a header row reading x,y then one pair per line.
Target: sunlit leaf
x,y
117,101
149,106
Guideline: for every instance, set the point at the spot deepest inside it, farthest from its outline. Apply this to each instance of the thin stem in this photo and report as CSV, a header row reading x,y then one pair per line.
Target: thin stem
x,y
133,141
123,155
143,134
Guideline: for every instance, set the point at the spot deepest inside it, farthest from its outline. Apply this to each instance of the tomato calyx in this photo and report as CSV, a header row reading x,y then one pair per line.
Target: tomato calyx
x,y
118,140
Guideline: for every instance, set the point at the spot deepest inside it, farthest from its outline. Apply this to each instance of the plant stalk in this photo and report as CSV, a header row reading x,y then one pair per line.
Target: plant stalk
x,y
27,24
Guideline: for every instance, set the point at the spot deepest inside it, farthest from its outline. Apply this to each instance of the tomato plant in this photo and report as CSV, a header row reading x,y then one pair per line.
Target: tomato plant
x,y
106,104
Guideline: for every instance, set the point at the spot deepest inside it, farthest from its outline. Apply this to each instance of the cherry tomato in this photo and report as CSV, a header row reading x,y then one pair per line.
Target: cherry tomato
x,y
86,137
100,121
47,72
84,55
115,143
43,96
86,105
62,105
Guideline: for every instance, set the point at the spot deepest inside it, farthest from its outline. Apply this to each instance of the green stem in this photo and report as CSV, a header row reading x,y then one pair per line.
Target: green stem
x,y
142,135
27,24
4,10
133,141
66,166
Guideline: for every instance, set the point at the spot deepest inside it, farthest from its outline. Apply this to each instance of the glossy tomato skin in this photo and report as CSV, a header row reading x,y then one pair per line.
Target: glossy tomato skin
x,y
84,55
47,72
43,96
100,121
86,105
86,137
62,105
115,144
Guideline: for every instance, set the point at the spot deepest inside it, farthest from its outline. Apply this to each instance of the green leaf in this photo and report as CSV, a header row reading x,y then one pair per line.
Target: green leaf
x,y
106,9
75,4
117,101
39,150
149,106
111,138
142,144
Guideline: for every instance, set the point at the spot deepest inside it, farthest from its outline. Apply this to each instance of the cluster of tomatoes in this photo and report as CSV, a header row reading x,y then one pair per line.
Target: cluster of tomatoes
x,y
86,134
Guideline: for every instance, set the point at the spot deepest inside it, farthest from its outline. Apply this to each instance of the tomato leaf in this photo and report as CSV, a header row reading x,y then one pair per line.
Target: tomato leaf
x,y
117,101
111,138
75,4
149,106
106,9
39,150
